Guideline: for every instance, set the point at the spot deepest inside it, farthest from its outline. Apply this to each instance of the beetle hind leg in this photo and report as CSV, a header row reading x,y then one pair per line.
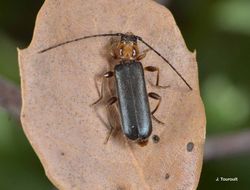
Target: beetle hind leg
x,y
156,97
157,120
110,102
111,130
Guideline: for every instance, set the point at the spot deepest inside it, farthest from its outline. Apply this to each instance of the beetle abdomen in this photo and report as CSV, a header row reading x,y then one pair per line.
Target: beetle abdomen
x,y
133,100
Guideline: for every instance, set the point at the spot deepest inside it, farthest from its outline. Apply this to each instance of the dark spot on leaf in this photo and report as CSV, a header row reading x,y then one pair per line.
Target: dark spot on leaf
x,y
190,146
120,188
156,138
167,176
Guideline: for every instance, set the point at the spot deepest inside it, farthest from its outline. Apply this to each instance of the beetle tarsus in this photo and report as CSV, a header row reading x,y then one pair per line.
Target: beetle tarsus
x,y
157,120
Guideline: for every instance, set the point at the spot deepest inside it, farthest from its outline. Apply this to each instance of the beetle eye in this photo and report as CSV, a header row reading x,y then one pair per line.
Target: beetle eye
x,y
121,51
134,53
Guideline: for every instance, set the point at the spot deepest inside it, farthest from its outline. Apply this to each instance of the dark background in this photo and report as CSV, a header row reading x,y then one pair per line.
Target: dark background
x,y
219,30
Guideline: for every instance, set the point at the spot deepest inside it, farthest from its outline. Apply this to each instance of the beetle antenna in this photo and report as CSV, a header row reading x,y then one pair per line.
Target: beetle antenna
x,y
150,47
78,39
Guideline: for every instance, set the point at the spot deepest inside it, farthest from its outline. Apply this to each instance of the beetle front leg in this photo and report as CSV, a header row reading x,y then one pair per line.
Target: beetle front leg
x,y
142,55
156,97
155,69
108,74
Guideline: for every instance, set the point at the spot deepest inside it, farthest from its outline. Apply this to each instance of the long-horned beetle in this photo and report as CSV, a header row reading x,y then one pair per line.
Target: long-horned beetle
x,y
132,95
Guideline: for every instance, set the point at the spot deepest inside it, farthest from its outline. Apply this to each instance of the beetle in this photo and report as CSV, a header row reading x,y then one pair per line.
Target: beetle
x,y
132,96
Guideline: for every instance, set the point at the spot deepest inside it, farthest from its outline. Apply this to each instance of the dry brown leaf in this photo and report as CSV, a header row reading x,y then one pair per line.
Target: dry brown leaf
x,y
58,87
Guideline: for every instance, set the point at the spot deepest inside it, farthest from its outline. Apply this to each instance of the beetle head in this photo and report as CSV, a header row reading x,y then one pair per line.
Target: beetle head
x,y
126,48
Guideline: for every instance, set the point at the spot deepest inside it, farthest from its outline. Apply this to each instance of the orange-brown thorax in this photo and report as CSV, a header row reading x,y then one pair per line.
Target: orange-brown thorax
x,y
126,50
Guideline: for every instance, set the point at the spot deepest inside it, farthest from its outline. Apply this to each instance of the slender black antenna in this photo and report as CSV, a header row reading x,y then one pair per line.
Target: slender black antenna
x,y
118,34
139,38
78,39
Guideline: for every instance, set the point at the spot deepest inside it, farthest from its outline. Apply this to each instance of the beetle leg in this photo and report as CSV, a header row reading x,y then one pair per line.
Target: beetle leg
x,y
109,133
110,102
108,74
142,55
155,69
156,97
